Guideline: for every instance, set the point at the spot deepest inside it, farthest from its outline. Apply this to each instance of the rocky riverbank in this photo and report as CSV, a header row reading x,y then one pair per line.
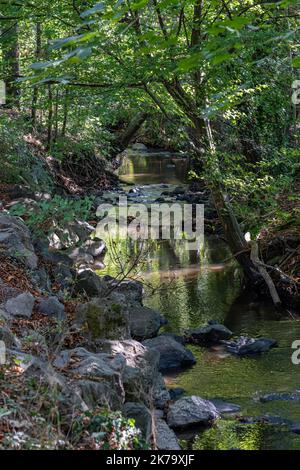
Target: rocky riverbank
x,y
84,347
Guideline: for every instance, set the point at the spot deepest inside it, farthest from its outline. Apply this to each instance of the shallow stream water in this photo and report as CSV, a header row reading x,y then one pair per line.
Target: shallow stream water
x,y
194,287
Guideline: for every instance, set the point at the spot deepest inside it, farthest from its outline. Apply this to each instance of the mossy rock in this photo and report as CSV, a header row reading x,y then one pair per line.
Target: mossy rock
x,y
104,318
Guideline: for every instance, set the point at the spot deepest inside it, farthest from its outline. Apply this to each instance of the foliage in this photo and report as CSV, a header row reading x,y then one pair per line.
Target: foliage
x,y
45,217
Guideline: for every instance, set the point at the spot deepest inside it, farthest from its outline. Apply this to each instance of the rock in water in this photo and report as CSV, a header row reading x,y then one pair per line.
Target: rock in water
x,y
20,306
224,407
245,346
173,355
295,428
191,411
210,334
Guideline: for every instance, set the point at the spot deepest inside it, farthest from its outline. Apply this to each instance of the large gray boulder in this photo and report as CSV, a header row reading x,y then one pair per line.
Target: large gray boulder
x,y
173,355
89,283
212,333
165,437
20,306
97,377
191,411
52,307
104,318
141,378
142,417
15,241
132,290
144,322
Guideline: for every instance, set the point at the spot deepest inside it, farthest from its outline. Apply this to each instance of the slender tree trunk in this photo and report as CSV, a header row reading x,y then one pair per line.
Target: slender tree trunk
x,y
38,53
56,116
50,117
65,113
10,50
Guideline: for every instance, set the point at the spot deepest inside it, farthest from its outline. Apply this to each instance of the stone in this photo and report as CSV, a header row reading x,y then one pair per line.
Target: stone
x,y
191,411
95,248
173,355
144,322
100,382
20,306
283,396
142,417
176,392
245,346
223,407
8,337
209,334
15,241
141,378
165,438
89,283
178,338
104,318
139,146
133,290
52,307
295,428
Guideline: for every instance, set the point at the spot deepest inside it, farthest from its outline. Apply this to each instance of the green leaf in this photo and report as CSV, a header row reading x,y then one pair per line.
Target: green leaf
x,y
296,62
96,9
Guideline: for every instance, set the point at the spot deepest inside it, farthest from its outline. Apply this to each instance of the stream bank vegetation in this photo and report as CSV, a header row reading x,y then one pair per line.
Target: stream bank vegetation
x,y
209,79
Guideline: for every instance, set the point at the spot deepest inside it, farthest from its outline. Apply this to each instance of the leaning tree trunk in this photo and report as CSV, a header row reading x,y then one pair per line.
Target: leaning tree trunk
x,y
132,128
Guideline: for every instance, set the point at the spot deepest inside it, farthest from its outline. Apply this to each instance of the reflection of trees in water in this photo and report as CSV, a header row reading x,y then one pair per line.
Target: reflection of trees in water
x,y
169,167
228,435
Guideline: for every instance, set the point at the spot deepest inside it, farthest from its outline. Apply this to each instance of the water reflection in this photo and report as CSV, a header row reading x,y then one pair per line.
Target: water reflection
x,y
190,288
146,168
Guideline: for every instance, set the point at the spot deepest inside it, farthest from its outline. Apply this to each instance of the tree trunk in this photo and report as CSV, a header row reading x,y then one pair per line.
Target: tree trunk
x,y
65,113
10,50
132,128
38,53
50,117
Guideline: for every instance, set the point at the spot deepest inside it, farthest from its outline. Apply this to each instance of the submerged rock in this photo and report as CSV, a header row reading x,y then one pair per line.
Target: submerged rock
x,y
191,411
245,346
295,428
225,407
212,333
173,355
283,396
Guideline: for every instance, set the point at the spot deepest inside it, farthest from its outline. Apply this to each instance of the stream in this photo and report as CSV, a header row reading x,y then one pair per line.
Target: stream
x,y
194,287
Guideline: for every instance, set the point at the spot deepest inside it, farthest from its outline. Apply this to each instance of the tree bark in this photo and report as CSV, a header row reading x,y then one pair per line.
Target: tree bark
x,y
132,128
38,53
10,51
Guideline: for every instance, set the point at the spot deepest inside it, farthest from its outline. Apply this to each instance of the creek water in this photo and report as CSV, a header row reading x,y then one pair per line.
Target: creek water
x,y
190,288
